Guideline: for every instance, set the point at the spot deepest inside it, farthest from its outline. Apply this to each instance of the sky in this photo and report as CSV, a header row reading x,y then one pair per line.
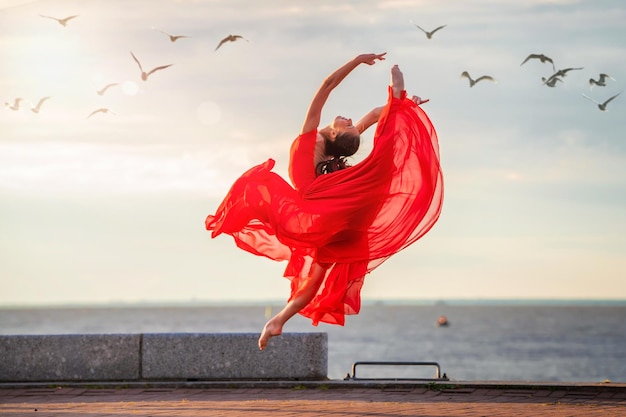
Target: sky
x,y
110,208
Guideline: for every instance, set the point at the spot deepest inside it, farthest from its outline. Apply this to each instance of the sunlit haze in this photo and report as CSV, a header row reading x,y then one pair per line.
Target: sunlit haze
x,y
103,196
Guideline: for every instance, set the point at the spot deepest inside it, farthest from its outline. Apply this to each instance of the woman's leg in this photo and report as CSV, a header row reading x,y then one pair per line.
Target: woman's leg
x,y
274,327
397,81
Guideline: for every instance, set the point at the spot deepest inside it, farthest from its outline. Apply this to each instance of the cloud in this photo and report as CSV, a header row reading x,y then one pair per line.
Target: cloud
x,y
70,168
7,4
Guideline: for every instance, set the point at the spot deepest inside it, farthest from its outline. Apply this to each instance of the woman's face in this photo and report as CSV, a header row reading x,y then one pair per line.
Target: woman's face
x,y
343,124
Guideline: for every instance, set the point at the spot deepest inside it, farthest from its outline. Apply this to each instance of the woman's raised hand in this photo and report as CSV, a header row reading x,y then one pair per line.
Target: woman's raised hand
x,y
370,59
418,100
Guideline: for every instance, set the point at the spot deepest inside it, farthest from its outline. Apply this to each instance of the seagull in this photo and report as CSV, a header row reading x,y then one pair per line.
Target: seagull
x,y
230,38
540,57
601,81
563,72
35,109
602,106
101,110
16,104
105,88
174,38
62,22
430,34
560,73
144,75
472,81
551,82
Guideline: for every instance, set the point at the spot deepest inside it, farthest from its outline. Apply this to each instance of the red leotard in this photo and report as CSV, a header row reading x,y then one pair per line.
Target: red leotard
x,y
350,220
302,160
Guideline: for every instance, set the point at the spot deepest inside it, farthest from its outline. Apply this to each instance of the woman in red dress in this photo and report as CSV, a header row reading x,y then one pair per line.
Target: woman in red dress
x,y
337,223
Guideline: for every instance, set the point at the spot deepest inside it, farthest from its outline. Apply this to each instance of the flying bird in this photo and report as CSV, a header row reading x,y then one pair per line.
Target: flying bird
x,y
62,22
602,106
101,110
105,88
35,109
601,81
230,38
16,104
145,75
472,81
540,57
551,82
174,38
430,34
563,72
560,73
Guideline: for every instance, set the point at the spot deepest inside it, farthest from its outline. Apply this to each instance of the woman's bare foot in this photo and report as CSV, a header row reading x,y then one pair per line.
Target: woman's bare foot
x,y
397,81
272,328
303,296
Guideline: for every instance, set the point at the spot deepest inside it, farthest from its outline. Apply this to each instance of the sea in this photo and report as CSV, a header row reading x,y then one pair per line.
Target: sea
x,y
538,341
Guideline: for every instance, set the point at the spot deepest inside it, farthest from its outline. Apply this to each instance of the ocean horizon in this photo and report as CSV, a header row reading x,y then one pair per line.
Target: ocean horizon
x,y
364,302
524,340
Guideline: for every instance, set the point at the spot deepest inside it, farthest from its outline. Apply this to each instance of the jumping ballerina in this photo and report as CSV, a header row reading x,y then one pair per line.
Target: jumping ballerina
x,y
337,224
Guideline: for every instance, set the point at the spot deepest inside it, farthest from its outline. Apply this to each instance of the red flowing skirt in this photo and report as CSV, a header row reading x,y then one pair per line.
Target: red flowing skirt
x,y
350,220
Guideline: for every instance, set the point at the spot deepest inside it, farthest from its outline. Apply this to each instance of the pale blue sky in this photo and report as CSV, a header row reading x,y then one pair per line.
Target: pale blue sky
x,y
111,208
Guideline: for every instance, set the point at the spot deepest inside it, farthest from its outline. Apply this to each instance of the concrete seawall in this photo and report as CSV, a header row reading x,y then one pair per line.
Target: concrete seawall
x,y
162,356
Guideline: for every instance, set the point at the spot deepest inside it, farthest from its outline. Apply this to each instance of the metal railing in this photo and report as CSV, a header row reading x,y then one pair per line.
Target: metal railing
x,y
437,376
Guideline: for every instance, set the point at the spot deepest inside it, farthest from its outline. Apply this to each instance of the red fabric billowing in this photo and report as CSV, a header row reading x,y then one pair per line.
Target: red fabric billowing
x,y
352,220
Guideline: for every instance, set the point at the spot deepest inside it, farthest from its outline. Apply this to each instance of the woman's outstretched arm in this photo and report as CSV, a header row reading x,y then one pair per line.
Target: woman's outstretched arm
x,y
369,119
314,113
